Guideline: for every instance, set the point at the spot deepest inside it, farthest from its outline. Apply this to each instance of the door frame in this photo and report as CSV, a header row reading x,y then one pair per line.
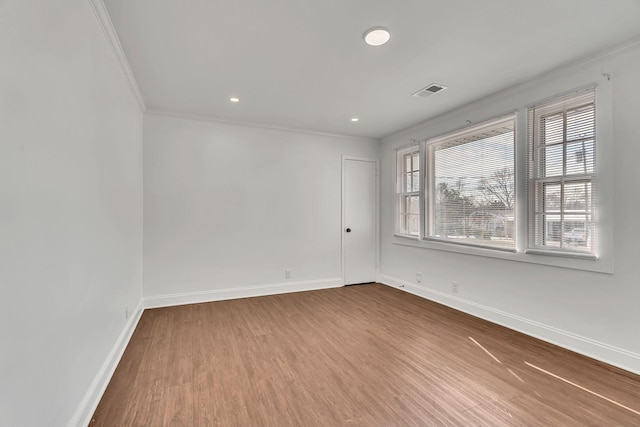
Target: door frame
x,y
376,219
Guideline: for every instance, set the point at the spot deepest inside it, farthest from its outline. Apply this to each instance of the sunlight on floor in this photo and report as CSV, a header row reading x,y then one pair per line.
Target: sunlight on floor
x,y
485,350
582,388
515,375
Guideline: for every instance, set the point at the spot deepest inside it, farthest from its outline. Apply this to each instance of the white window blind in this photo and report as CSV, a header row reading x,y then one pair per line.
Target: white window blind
x,y
408,183
562,182
470,182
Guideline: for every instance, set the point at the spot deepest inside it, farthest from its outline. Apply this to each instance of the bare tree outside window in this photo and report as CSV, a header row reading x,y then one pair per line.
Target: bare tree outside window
x,y
499,189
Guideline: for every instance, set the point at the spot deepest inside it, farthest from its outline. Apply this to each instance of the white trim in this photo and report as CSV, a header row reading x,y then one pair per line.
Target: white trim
x,y
220,120
428,150
102,15
407,236
537,177
91,399
400,184
169,300
472,128
606,353
377,212
599,265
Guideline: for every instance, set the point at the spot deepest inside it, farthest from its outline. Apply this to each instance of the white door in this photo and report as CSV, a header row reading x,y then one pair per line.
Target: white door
x,y
359,226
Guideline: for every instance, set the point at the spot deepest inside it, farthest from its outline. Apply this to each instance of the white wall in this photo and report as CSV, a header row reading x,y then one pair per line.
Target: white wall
x,y
70,210
594,313
227,209
230,207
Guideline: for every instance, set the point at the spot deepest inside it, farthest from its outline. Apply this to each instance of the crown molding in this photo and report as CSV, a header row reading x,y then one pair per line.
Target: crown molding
x,y
102,15
219,120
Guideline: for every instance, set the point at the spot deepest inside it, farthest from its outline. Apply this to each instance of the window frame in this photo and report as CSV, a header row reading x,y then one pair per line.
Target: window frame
x,y
537,179
429,147
402,195
520,101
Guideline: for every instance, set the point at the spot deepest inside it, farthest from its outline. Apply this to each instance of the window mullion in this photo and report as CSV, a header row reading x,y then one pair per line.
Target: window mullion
x,y
566,122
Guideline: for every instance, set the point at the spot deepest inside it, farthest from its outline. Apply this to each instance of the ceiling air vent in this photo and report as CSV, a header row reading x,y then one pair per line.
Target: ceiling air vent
x,y
429,90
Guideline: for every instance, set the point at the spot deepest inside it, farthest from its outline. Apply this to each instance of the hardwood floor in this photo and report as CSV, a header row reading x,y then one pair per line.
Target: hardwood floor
x,y
364,355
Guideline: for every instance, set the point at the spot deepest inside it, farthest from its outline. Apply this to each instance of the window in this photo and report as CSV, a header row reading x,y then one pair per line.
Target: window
x,y
562,149
408,182
493,190
470,186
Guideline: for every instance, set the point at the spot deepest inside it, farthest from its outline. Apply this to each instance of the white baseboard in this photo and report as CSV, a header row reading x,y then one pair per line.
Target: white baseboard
x,y
87,407
606,353
240,292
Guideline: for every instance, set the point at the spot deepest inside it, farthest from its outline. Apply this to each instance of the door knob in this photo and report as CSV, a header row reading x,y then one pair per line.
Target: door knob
x,y
348,230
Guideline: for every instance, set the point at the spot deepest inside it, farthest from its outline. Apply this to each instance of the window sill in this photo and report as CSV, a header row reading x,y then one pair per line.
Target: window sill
x,y
407,236
574,255
539,257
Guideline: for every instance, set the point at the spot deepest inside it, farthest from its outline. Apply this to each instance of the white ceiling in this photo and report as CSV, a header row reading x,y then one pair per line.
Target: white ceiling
x,y
303,63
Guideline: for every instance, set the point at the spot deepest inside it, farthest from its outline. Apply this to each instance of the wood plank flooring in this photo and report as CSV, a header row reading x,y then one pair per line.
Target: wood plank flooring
x,y
366,355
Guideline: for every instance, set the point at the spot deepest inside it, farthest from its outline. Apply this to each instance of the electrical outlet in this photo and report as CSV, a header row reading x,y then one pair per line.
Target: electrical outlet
x,y
126,313
454,287
418,277
287,274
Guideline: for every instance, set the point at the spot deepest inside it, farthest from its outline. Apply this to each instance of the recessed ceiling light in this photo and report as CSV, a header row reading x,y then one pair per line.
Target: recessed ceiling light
x,y
376,36
234,99
354,119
